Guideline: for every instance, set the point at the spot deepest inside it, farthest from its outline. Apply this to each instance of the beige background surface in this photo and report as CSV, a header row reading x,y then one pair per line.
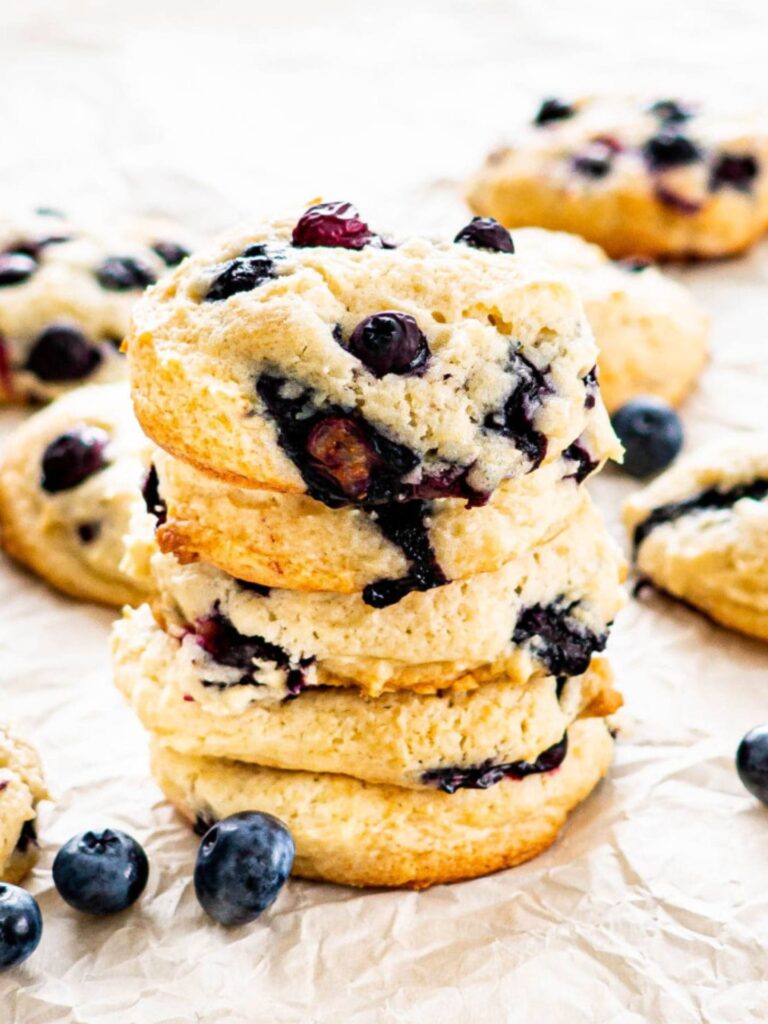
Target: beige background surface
x,y
654,904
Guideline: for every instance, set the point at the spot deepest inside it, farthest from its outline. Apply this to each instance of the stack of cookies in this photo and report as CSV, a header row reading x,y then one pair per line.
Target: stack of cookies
x,y
381,587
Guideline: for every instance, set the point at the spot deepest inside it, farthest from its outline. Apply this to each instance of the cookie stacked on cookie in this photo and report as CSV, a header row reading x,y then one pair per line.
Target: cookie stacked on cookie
x,y
381,588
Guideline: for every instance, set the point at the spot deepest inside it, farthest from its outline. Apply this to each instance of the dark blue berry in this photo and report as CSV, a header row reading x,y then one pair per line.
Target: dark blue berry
x,y
561,641
553,110
171,253
333,225
16,267
390,342
651,433
63,353
516,419
670,111
670,149
153,500
752,762
34,246
242,864
486,233
595,161
88,532
101,872
72,458
242,274
124,273
21,925
733,170
404,524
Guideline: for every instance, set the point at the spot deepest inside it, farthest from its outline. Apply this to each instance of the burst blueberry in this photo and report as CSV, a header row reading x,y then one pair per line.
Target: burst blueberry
x,y
734,170
124,273
651,433
670,148
390,342
21,925
333,225
101,872
486,233
752,762
242,865
72,457
339,449
15,268
553,109
63,353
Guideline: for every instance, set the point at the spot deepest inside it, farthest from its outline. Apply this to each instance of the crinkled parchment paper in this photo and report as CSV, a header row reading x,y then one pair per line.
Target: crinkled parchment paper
x,y
653,905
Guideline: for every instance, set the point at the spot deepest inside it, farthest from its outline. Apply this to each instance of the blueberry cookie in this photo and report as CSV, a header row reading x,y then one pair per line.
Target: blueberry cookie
x,y
65,299
700,532
651,332
549,610
21,788
405,739
316,357
658,179
358,833
294,542
70,485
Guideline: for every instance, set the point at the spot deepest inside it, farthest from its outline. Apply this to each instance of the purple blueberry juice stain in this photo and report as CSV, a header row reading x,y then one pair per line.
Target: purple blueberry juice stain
x,y
585,464
487,774
404,524
562,642
738,171
516,419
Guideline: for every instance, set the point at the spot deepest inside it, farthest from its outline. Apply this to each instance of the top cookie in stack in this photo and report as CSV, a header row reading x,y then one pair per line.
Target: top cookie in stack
x,y
370,513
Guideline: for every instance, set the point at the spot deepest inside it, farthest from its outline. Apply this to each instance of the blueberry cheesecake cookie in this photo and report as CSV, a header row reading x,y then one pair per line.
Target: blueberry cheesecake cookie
x,y
700,532
294,542
548,610
661,178
317,357
66,294
21,788
404,738
70,486
652,334
358,833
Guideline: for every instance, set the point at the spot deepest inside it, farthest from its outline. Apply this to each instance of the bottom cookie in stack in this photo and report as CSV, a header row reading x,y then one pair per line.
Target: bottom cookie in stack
x,y
363,834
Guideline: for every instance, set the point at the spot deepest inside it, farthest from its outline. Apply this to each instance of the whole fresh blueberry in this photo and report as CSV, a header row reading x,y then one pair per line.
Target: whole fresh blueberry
x,y
242,864
670,148
651,433
16,267
241,274
486,233
553,109
734,170
124,273
336,225
21,925
171,253
72,458
390,342
101,872
62,353
752,762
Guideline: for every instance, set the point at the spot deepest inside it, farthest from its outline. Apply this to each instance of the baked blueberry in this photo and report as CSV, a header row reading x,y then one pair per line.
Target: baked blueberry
x,y
124,273
21,925
562,641
101,872
488,774
338,448
592,388
553,109
752,762
242,274
72,457
486,233
670,111
15,268
242,864
734,170
390,342
404,524
153,500
670,148
651,433
595,161
332,225
62,353
88,532
585,464
171,253
516,419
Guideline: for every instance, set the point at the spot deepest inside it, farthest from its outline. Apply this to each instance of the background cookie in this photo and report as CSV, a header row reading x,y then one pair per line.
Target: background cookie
x,y
700,532
356,833
70,483
21,787
404,739
315,357
651,332
661,178
66,294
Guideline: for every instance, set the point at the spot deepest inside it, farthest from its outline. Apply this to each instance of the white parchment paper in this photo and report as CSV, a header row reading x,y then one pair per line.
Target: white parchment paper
x,y
653,905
